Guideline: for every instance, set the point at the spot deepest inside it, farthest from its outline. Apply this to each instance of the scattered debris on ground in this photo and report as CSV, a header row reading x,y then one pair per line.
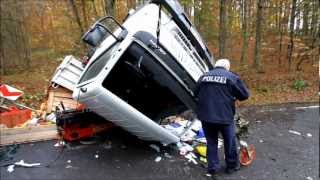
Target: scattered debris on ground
x,y
295,132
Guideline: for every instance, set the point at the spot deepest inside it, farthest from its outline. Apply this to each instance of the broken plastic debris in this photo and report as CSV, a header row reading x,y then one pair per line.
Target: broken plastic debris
x,y
295,132
51,117
155,147
202,150
33,121
174,128
184,148
309,135
196,126
10,168
23,164
59,143
189,135
243,143
203,159
202,140
158,159
191,158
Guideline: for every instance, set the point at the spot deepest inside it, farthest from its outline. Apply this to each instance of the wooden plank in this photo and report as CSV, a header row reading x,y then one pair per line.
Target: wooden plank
x,y
23,130
65,100
25,135
56,95
63,95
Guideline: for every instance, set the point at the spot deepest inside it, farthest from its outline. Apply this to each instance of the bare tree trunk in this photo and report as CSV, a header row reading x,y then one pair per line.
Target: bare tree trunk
x,y
222,29
257,50
245,34
197,13
305,26
110,7
76,13
282,20
298,18
280,45
25,38
2,69
291,45
84,13
315,31
94,9
131,4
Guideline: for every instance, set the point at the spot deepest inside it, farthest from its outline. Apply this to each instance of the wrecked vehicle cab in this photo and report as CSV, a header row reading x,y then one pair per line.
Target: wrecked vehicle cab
x,y
145,70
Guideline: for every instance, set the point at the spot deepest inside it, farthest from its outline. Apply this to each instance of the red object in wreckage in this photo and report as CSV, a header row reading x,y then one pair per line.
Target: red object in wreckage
x,y
247,155
78,131
15,116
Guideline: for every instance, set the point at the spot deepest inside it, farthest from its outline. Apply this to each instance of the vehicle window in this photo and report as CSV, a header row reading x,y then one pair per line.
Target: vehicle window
x,y
95,68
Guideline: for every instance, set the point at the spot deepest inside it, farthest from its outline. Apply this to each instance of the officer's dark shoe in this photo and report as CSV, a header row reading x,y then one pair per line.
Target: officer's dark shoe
x,y
232,170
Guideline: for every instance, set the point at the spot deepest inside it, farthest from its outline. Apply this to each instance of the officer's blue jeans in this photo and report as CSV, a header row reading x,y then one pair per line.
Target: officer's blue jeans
x,y
211,131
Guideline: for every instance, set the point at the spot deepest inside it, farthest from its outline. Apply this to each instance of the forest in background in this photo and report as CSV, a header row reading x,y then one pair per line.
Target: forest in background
x,y
272,44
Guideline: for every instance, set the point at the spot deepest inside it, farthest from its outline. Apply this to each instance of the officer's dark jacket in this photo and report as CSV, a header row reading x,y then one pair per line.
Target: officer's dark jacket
x,y
216,93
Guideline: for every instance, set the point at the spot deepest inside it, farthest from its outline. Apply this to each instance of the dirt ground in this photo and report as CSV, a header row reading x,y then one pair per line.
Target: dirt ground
x,y
280,154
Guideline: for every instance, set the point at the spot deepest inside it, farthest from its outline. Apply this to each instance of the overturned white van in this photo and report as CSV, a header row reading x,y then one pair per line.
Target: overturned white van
x,y
144,70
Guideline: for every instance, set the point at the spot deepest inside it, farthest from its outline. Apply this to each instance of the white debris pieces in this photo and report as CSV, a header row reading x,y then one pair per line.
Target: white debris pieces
x,y
59,144
10,168
295,132
51,117
191,135
184,148
23,164
309,134
158,159
191,158
243,143
300,134
33,121
185,129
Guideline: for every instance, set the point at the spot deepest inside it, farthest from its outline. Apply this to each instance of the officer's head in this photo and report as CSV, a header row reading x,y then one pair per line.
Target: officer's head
x,y
225,63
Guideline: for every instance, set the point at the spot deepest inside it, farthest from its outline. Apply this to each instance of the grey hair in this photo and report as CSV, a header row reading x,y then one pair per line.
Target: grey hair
x,y
225,63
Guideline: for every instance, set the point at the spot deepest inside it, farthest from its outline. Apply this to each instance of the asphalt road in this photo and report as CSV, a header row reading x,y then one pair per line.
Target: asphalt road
x,y
280,154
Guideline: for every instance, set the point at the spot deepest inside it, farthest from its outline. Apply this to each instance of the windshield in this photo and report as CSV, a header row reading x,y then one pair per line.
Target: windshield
x,y
95,67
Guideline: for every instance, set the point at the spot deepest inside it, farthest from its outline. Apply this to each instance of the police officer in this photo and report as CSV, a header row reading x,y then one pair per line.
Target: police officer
x,y
217,91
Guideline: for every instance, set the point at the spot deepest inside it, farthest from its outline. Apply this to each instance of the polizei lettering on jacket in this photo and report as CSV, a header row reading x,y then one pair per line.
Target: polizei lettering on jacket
x,y
217,79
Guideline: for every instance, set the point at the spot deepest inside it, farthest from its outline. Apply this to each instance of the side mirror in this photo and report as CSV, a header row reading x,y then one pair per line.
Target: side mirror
x,y
95,35
99,31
